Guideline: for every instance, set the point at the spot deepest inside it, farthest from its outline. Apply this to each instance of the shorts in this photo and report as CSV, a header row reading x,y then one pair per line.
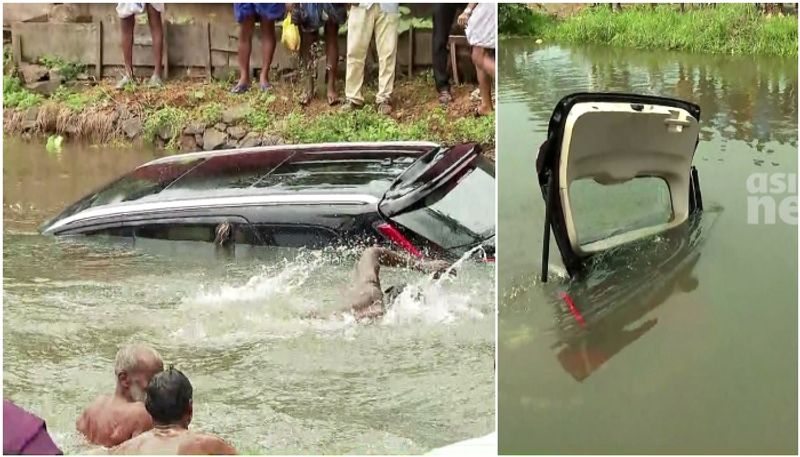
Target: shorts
x,y
481,30
311,17
126,10
261,11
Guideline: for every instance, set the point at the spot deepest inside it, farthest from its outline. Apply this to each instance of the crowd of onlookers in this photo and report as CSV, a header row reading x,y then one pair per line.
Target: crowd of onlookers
x,y
365,22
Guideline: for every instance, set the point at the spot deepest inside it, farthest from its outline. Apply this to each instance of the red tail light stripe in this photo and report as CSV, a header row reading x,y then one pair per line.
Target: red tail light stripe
x,y
394,235
572,309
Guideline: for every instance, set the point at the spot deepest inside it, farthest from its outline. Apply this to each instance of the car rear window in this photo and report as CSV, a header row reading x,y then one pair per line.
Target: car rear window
x,y
602,211
460,215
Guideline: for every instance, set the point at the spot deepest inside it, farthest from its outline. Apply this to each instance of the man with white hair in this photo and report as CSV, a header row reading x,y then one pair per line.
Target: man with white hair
x,y
113,419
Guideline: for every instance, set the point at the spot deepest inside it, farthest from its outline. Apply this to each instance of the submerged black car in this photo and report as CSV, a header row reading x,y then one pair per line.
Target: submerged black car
x,y
420,197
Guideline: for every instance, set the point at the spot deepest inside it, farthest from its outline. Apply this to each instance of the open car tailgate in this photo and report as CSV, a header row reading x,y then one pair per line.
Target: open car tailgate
x,y
608,152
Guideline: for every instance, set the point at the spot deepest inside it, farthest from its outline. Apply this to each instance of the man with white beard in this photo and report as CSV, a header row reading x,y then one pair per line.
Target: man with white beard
x,y
113,419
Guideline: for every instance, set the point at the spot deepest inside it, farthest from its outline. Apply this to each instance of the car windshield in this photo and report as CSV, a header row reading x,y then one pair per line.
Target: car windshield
x,y
458,216
145,181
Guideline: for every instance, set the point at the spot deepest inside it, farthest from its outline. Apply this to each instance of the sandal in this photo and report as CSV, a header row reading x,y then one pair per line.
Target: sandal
x,y
240,88
265,87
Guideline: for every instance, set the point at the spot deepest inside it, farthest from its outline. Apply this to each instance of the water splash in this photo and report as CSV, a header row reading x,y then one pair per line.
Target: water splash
x,y
434,300
303,295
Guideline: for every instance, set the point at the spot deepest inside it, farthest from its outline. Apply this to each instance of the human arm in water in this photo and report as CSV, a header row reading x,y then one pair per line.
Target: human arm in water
x,y
367,300
369,265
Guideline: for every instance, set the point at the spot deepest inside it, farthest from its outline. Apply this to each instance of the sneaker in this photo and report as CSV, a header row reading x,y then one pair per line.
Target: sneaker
x,y
155,81
385,108
350,105
445,97
125,81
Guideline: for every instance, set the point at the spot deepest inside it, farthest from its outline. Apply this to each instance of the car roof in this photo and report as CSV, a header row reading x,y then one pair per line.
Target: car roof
x,y
331,173
341,168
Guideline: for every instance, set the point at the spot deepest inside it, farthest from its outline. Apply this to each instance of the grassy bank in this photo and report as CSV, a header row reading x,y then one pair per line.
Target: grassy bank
x,y
723,29
102,115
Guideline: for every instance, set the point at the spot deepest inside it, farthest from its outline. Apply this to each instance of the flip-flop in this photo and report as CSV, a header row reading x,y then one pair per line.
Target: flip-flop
x,y
240,88
265,87
335,101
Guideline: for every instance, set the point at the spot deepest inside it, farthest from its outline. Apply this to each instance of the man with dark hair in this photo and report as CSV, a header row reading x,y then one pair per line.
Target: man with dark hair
x,y
444,14
169,402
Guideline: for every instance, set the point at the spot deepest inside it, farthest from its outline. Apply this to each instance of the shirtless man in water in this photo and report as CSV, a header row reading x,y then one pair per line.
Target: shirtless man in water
x,y
169,402
367,297
112,419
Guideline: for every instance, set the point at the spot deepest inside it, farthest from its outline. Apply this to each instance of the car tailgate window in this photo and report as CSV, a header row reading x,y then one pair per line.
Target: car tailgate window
x,y
460,215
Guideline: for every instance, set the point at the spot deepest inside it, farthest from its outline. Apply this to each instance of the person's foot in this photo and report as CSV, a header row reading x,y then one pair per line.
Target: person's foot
x,y
265,87
483,111
475,95
350,105
155,81
445,97
333,98
240,88
125,81
385,108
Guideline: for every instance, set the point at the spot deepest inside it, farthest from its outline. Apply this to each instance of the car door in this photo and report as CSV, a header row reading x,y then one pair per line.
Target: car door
x,y
616,168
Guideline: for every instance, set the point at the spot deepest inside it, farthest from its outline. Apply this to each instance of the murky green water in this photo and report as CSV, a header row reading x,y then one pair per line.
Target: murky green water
x,y
265,378
688,348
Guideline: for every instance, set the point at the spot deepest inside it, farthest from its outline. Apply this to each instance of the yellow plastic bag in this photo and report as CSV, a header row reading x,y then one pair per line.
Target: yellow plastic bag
x,y
290,35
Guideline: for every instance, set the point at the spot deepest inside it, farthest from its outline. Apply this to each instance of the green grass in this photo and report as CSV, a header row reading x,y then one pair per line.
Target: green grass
x,y
17,96
516,19
726,29
171,118
78,101
268,115
68,69
367,124
210,113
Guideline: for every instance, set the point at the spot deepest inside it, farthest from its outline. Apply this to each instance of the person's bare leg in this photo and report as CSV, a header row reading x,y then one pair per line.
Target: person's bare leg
x,y
245,46
126,31
267,49
157,33
484,81
488,64
332,58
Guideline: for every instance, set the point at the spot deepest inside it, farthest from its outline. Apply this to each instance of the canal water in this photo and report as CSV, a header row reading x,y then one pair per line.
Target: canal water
x,y
266,378
689,341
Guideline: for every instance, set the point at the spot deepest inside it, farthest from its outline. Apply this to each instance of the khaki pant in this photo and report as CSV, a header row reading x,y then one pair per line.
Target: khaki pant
x,y
361,23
